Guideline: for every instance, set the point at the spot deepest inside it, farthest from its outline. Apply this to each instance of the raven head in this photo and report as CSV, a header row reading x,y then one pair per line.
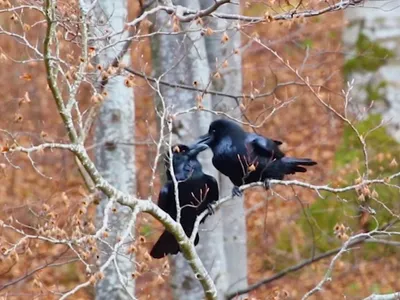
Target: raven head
x,y
184,160
218,130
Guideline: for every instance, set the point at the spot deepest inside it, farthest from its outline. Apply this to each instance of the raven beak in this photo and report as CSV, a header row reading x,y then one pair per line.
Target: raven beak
x,y
204,139
196,149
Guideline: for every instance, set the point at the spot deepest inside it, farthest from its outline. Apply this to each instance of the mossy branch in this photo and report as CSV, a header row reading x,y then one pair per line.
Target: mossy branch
x,y
50,12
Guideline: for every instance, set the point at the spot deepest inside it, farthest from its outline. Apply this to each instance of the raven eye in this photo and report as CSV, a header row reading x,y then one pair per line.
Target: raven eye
x,y
213,131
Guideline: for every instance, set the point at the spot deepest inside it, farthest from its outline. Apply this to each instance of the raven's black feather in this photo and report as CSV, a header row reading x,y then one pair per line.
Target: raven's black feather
x,y
196,192
248,157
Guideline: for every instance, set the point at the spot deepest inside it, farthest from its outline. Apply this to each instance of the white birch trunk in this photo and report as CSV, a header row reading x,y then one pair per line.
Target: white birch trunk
x,y
186,59
233,212
381,26
115,161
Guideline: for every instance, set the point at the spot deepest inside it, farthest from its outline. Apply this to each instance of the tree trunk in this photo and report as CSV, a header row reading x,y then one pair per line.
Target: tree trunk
x,y
233,212
381,84
185,59
115,161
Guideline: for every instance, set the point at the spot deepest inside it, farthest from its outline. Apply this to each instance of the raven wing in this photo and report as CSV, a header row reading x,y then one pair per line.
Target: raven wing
x,y
166,199
266,147
212,196
213,192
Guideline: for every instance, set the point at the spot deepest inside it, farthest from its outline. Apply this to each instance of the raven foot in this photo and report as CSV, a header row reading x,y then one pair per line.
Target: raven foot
x,y
236,191
211,210
267,184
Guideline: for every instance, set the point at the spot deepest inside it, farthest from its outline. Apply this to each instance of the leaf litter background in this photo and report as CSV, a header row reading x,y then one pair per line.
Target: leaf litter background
x,y
282,231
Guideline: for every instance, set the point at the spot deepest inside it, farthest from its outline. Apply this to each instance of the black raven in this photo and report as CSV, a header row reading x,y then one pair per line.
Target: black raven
x,y
196,192
248,157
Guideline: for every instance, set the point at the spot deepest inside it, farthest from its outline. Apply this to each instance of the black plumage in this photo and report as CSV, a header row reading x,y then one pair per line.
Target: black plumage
x,y
248,157
196,192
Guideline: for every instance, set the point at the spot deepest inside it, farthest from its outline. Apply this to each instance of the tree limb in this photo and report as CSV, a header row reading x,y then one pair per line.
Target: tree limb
x,y
135,204
394,296
184,14
303,264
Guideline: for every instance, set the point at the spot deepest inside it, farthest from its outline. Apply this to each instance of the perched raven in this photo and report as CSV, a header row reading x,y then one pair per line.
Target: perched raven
x,y
248,157
196,192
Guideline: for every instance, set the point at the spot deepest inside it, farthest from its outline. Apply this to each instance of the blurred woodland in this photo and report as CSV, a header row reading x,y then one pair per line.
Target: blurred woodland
x,y
43,192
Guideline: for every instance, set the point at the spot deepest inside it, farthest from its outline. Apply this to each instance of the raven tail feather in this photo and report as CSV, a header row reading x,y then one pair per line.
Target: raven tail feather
x,y
294,165
167,244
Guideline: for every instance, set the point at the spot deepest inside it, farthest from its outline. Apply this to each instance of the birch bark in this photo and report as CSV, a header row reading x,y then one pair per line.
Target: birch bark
x,y
183,59
114,160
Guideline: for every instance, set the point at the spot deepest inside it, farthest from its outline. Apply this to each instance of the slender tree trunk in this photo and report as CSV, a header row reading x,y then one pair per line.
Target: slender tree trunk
x,y
115,161
380,27
233,212
184,58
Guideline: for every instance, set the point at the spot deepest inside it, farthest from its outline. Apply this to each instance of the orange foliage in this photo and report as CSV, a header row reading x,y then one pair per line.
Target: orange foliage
x,y
29,113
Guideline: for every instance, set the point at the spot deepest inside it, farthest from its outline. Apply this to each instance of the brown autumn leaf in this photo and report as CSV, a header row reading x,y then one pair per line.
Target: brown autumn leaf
x,y
199,21
43,134
90,67
91,51
5,149
18,118
268,17
209,31
380,157
393,163
176,27
26,27
251,168
225,38
361,198
26,76
129,83
14,18
132,249
217,75
160,279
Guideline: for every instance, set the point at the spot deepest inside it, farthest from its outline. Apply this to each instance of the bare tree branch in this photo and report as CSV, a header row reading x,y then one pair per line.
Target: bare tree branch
x,y
52,263
65,92
304,263
394,296
184,14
